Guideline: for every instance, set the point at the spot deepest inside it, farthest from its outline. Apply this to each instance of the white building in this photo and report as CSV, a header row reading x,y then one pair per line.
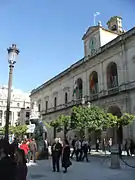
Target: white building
x,y
105,76
19,100
24,117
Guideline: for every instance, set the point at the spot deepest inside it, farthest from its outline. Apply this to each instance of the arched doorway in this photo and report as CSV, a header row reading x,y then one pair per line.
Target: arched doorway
x,y
112,75
115,110
79,88
93,82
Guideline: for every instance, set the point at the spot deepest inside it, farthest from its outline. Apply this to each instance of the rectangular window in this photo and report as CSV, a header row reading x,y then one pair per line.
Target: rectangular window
x,y
55,102
46,105
18,104
27,114
39,108
18,114
1,113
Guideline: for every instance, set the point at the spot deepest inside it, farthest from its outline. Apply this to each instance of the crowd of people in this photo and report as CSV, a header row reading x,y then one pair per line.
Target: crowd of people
x,y
81,147
12,162
14,156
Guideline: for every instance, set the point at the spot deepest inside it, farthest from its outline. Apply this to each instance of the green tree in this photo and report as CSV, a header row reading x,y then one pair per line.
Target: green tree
x,y
59,123
16,130
93,118
19,130
96,118
118,122
65,123
56,124
79,119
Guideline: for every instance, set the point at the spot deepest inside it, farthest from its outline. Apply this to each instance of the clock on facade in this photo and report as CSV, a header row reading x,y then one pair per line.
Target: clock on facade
x,y
92,43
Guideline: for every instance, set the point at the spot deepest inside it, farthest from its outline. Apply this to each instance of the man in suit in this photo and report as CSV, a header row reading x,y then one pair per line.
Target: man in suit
x,y
56,153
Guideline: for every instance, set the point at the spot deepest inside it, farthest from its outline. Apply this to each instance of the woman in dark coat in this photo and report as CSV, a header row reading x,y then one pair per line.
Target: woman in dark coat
x,y
66,156
7,165
21,165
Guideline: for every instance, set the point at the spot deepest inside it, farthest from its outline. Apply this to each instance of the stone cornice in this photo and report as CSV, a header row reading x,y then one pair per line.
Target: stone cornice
x,y
111,44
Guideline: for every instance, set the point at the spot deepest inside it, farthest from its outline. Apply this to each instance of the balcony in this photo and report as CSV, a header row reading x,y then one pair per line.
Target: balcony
x,y
94,96
62,106
91,98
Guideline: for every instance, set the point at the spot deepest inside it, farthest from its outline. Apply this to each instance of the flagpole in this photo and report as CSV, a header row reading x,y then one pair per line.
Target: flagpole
x,y
94,17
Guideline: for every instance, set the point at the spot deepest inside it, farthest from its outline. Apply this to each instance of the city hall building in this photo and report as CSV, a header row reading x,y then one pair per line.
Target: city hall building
x,y
105,76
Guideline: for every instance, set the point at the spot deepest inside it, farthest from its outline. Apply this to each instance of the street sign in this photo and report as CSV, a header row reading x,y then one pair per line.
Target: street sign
x,y
31,128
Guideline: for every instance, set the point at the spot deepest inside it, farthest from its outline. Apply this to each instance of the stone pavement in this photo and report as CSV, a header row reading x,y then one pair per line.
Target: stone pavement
x,y
94,170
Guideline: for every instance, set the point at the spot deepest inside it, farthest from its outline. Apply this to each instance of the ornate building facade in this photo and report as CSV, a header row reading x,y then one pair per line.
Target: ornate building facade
x,y
19,100
105,76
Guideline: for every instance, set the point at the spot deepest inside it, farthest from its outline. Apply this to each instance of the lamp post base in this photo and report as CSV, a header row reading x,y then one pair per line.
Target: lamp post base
x,y
42,153
115,161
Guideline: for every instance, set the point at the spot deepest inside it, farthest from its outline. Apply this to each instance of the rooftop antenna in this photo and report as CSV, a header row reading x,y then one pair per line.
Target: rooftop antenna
x,y
94,16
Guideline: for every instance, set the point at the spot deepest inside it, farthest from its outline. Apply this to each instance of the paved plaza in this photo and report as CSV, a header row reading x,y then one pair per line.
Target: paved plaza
x,y
96,169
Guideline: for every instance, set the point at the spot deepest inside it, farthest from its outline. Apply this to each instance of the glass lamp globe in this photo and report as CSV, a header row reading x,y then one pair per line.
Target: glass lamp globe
x,y
12,54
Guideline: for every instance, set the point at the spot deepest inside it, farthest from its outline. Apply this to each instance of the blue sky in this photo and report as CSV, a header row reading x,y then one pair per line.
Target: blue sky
x,y
48,34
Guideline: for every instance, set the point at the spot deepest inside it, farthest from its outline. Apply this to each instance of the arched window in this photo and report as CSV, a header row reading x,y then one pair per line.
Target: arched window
x,y
55,102
78,88
112,75
66,98
93,83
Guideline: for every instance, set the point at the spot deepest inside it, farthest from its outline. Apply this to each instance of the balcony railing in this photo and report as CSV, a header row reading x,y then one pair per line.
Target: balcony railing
x,y
94,96
62,106
84,100
113,90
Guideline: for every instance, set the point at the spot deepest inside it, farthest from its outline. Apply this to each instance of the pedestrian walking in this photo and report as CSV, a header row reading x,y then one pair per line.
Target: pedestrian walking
x,y
97,145
21,165
110,144
33,149
66,156
85,150
78,149
25,147
132,147
73,146
56,153
7,165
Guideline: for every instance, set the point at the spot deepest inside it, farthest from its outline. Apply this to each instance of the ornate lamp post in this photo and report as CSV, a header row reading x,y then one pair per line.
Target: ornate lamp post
x,y
12,54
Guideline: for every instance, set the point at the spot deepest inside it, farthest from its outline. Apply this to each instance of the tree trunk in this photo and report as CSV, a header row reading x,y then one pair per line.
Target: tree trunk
x,y
82,133
65,132
54,132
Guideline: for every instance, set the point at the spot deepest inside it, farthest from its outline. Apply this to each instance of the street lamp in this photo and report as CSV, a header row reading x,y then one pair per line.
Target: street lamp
x,y
12,54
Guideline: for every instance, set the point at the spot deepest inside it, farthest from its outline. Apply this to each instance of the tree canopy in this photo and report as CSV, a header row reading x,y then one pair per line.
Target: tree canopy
x,y
17,130
96,118
60,122
93,118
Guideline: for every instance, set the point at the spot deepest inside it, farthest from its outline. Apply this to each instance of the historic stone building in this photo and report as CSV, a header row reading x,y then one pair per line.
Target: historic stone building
x,y
105,76
19,100
24,116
